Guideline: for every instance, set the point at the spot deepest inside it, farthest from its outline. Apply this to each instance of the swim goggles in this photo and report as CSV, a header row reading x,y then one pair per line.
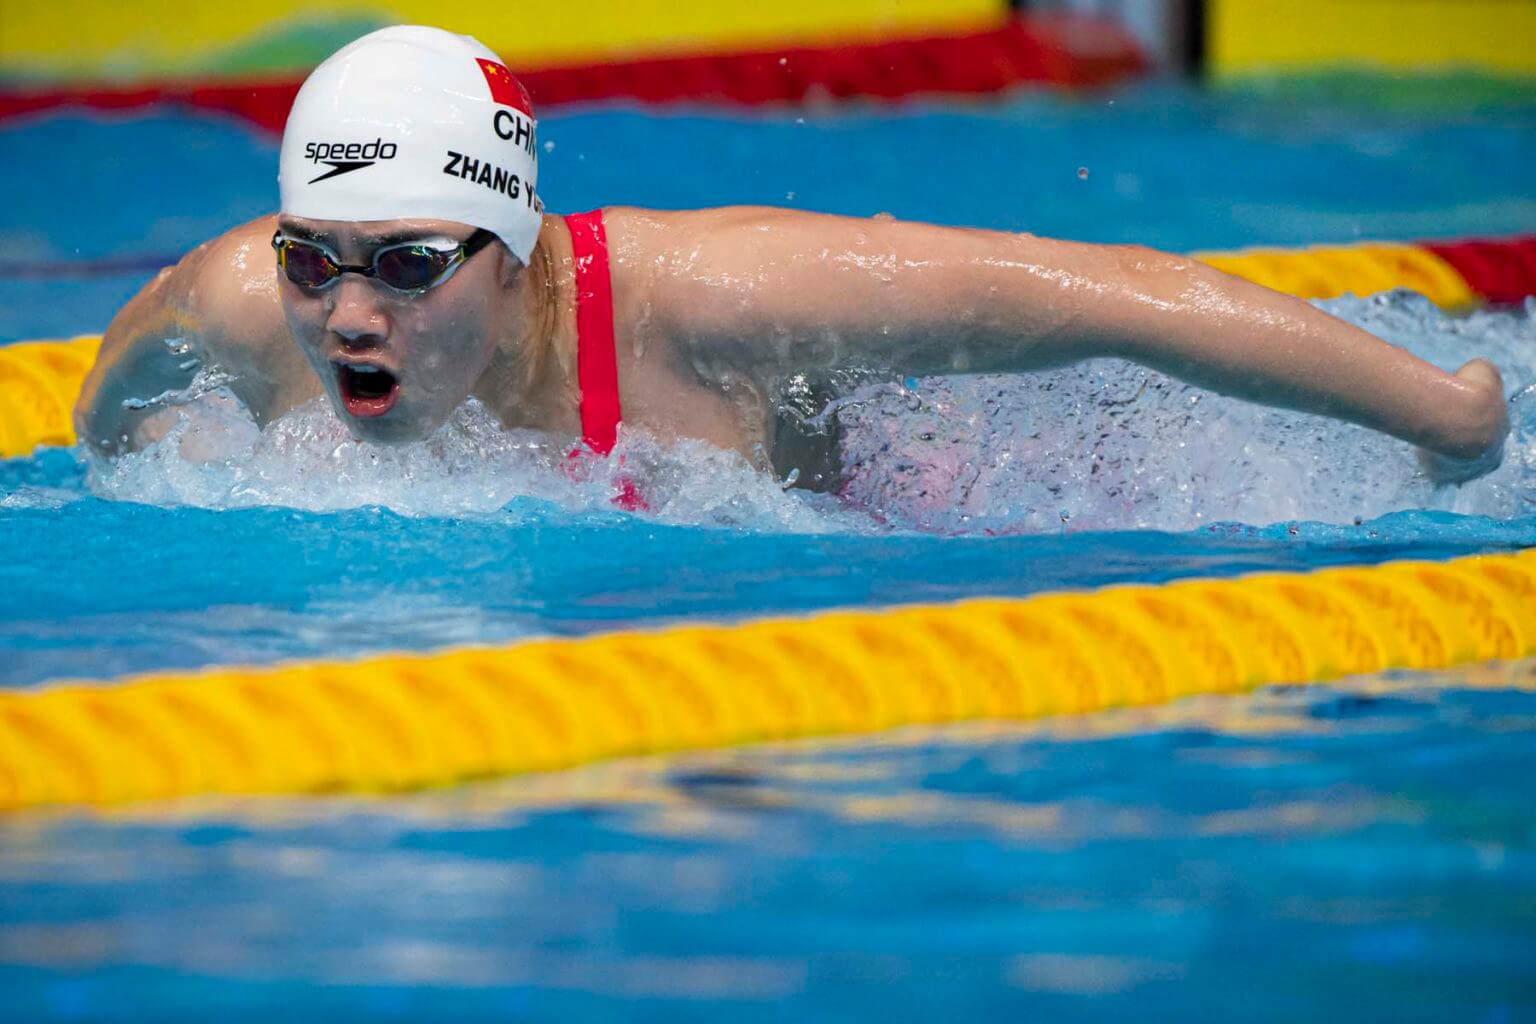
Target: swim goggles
x,y
407,267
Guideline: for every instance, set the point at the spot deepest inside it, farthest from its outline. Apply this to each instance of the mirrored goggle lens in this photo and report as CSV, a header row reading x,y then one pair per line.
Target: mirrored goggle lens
x,y
411,267
306,265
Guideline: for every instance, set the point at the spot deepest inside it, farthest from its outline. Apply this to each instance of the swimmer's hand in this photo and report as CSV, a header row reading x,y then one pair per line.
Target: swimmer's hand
x,y
1487,426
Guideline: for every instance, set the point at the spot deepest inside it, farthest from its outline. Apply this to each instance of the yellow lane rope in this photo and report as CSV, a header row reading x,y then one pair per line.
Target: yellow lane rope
x,y
1326,272
39,381
405,721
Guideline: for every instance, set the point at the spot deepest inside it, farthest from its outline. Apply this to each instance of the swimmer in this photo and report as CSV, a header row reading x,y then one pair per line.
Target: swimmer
x,y
412,266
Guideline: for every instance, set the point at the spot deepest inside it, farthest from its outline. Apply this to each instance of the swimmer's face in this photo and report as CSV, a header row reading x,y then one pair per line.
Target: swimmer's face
x,y
395,364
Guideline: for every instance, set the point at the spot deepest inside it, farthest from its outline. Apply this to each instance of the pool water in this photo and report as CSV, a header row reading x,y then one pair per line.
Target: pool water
x,y
1366,846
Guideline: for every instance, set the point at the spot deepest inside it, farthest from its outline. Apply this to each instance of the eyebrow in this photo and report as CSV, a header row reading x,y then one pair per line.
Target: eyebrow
x,y
307,234
396,237
370,240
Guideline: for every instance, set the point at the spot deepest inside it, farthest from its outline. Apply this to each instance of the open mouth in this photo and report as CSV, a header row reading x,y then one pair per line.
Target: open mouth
x,y
367,390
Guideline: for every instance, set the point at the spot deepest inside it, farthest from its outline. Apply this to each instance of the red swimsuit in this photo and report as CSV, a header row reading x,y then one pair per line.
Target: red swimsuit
x,y
597,362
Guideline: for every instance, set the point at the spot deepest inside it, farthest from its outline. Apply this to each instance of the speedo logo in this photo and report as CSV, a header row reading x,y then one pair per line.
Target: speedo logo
x,y
346,157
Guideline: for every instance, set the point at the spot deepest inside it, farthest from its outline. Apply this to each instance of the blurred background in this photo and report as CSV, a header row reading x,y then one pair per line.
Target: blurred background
x,y
97,42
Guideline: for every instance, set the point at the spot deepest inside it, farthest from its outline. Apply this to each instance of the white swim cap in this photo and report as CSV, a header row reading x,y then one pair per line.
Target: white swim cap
x,y
413,121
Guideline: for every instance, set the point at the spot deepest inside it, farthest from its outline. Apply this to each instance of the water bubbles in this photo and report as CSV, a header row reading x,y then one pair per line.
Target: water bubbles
x,y
1082,174
549,147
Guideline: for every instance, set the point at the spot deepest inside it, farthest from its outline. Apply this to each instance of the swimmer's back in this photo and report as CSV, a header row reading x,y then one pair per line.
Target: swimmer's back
x,y
217,307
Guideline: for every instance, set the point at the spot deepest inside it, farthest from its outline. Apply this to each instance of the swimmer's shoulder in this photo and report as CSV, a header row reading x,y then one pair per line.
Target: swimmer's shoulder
x,y
222,294
218,305
228,289
646,232
651,251
701,249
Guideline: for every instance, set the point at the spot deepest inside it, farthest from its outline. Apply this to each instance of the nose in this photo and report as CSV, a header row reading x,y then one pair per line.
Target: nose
x,y
355,315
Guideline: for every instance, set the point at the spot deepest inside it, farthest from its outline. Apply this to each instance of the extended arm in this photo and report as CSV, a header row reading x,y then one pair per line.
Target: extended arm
x,y
916,299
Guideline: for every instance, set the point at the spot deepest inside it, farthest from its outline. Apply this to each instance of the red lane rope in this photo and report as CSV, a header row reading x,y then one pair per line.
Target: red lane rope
x,y
1501,270
1062,50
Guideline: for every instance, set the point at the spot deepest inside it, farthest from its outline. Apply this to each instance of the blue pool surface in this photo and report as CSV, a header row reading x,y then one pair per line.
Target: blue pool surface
x,y
1364,849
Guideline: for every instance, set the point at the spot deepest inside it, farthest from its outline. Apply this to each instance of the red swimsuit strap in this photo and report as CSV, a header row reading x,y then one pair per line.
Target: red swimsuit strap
x,y
597,363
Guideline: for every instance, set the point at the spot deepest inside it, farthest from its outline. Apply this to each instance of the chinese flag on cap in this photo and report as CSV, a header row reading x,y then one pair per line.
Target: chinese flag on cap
x,y
504,88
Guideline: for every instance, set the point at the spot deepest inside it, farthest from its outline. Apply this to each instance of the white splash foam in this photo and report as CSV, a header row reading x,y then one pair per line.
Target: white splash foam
x,y
1109,445
215,457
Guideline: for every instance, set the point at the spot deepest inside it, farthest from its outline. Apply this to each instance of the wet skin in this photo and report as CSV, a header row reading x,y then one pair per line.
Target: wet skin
x,y
715,310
